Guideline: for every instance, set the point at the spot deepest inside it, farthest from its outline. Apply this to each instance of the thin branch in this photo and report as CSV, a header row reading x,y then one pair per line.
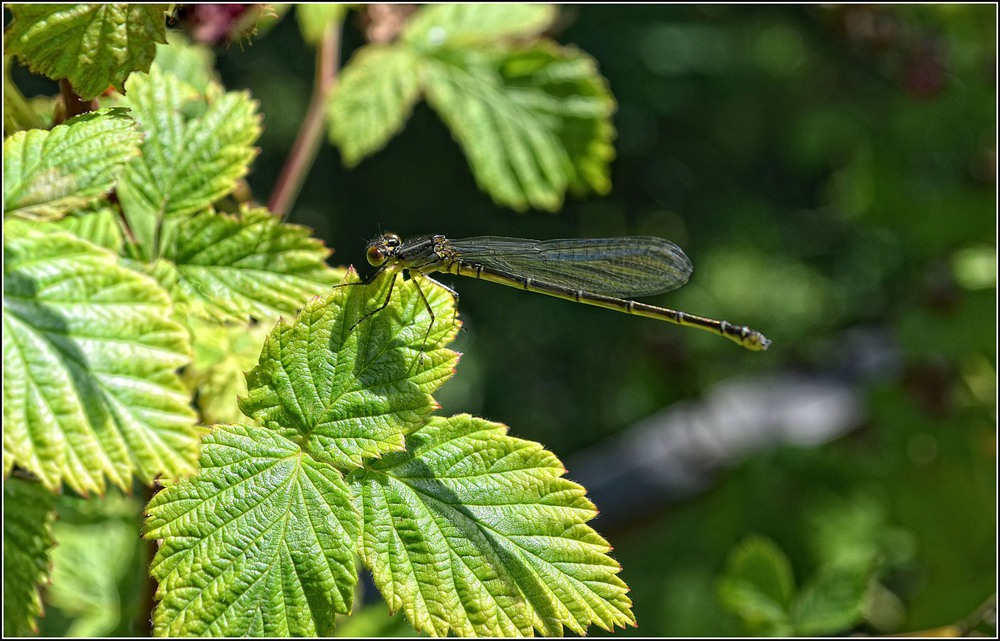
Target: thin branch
x,y
303,153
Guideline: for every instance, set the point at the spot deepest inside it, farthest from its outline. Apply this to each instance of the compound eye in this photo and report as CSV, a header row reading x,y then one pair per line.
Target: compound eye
x,y
376,256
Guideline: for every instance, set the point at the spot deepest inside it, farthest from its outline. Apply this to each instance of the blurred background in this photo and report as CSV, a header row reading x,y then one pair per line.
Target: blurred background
x,y
831,172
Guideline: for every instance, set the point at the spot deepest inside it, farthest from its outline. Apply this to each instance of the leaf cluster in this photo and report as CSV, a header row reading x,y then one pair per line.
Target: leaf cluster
x,y
533,117
138,287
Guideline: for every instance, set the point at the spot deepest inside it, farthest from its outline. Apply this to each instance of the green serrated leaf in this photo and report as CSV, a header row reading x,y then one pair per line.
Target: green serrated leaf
x,y
258,543
47,174
89,369
222,355
316,19
758,586
533,122
193,64
28,513
458,25
99,227
251,265
472,532
373,99
833,601
197,146
349,387
91,45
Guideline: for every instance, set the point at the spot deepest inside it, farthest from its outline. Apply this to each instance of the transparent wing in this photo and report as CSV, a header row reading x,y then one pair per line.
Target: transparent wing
x,y
621,267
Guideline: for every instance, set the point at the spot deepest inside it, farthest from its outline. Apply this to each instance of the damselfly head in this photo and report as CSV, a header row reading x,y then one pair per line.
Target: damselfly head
x,y
380,249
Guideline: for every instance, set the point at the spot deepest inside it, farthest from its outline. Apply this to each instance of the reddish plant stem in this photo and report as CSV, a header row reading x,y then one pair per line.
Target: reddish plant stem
x,y
73,103
303,153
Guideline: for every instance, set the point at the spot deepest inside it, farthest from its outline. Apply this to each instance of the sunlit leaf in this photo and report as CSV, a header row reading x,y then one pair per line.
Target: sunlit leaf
x,y
250,265
197,146
89,369
349,387
472,532
99,226
47,174
92,45
223,353
533,118
261,541
258,543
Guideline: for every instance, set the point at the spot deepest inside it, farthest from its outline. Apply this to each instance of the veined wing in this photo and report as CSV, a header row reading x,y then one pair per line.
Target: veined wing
x,y
621,267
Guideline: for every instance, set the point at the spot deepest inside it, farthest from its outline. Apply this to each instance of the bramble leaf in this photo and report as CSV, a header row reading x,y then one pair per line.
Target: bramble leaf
x,y
250,265
258,543
98,226
458,25
349,387
533,118
89,376
222,355
28,513
759,587
47,174
473,532
280,562
468,531
533,123
197,146
834,600
91,45
374,98
191,63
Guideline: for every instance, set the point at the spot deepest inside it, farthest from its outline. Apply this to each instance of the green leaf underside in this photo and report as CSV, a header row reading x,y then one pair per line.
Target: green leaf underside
x,y
232,267
47,174
222,353
258,543
374,98
98,226
834,601
534,119
472,532
354,389
196,148
91,45
479,23
193,64
759,586
27,539
90,357
516,114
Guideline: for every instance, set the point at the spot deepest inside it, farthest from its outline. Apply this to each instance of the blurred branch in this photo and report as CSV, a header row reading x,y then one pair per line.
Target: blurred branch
x,y
303,153
678,453
986,614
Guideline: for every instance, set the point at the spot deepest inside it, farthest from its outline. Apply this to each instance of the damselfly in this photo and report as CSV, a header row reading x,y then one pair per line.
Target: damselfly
x,y
605,272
